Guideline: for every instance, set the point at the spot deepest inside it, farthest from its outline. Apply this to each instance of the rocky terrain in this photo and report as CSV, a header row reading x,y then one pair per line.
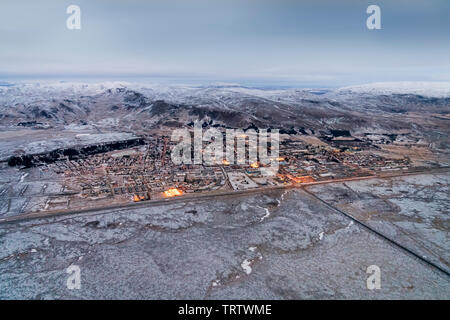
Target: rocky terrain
x,y
367,108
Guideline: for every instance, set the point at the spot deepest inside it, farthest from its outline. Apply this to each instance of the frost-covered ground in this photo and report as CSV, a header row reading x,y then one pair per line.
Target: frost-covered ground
x,y
37,141
412,210
26,190
229,248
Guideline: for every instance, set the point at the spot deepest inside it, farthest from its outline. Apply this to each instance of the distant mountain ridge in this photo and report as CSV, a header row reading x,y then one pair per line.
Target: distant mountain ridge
x,y
428,89
370,106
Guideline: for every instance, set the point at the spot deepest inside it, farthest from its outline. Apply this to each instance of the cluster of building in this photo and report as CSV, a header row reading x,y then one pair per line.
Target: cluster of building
x,y
147,172
307,163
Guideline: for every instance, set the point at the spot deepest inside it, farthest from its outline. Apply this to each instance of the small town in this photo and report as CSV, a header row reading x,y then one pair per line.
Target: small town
x,y
146,172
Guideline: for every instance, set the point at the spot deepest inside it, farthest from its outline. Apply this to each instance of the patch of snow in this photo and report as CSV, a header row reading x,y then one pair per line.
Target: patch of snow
x,y
284,193
266,215
246,266
23,177
215,283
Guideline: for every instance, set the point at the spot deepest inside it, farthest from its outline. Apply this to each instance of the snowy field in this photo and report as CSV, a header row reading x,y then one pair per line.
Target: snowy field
x,y
278,245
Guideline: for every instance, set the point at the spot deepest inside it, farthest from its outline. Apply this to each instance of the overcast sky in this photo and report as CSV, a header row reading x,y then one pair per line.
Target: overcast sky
x,y
284,41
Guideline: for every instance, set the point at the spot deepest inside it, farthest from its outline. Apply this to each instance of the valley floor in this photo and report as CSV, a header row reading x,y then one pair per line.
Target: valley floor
x,y
278,244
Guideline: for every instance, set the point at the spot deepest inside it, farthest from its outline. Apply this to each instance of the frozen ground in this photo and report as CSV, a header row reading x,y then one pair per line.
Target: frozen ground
x,y
28,141
26,190
412,210
229,248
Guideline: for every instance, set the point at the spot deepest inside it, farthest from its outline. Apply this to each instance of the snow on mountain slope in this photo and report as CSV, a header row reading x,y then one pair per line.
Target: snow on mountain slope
x,y
428,89
63,103
23,92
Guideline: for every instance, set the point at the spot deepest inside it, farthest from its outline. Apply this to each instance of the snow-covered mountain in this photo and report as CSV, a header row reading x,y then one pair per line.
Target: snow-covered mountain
x,y
152,105
426,89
